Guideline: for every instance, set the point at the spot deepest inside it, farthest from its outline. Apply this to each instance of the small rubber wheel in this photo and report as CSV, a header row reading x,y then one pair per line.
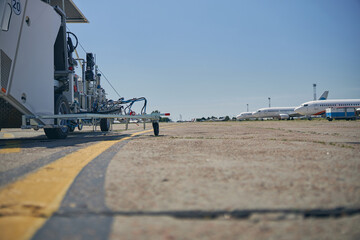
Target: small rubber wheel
x,y
104,124
80,125
156,128
61,107
71,128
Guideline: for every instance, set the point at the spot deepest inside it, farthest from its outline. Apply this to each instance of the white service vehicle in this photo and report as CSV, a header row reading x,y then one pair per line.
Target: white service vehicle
x,y
347,113
38,85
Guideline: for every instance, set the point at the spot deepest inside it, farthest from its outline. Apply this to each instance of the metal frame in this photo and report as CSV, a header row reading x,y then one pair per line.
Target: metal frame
x,y
92,117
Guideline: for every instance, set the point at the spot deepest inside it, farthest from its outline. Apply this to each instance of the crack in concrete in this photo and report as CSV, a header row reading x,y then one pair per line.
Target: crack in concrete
x,y
281,214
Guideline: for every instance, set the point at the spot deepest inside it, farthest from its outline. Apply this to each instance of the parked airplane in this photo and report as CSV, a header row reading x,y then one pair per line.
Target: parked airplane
x,y
319,107
276,112
282,112
324,95
244,115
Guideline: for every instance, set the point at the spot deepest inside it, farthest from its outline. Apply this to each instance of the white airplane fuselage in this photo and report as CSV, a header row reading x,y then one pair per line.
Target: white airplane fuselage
x,y
244,115
319,107
276,112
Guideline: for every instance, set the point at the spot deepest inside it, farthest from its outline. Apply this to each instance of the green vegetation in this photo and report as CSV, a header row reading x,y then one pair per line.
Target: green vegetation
x,y
215,119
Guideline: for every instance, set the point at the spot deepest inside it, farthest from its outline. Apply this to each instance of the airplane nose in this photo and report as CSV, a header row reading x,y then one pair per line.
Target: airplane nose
x,y
299,110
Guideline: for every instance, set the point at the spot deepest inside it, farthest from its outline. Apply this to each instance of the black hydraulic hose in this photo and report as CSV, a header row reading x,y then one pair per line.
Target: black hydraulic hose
x,y
77,41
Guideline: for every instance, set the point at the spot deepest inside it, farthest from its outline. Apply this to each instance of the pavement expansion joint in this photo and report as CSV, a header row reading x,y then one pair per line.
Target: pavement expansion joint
x,y
276,214
23,210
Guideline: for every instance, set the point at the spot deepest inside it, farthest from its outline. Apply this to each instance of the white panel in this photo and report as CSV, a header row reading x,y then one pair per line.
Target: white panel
x,y
34,67
9,39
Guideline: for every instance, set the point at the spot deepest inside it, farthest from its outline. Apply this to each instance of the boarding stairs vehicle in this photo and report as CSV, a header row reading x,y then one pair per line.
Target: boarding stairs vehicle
x,y
39,86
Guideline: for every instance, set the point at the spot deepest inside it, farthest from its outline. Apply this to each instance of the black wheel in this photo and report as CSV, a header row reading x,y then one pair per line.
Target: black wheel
x,y
104,124
156,128
61,107
71,128
329,119
80,125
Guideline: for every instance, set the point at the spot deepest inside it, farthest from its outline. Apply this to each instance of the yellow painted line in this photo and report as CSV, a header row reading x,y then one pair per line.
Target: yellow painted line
x,y
12,146
28,203
8,135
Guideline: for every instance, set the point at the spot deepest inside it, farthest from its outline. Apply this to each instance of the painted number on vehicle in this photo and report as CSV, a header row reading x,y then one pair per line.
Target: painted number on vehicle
x,y
16,6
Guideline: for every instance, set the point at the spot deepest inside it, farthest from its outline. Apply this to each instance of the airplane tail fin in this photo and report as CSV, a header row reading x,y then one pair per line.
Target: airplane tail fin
x,y
324,95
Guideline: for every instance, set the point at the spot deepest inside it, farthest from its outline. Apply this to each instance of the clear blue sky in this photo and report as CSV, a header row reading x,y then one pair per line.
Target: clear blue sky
x,y
212,57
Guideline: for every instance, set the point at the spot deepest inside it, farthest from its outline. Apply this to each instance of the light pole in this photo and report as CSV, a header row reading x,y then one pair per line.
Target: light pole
x,y
247,107
269,102
314,86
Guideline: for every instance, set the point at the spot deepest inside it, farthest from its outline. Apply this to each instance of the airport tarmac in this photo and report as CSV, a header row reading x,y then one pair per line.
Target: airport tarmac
x,y
209,180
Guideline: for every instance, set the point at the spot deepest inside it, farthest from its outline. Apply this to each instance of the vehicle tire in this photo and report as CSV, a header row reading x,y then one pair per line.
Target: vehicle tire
x,y
61,107
105,124
71,128
156,128
80,125
330,119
